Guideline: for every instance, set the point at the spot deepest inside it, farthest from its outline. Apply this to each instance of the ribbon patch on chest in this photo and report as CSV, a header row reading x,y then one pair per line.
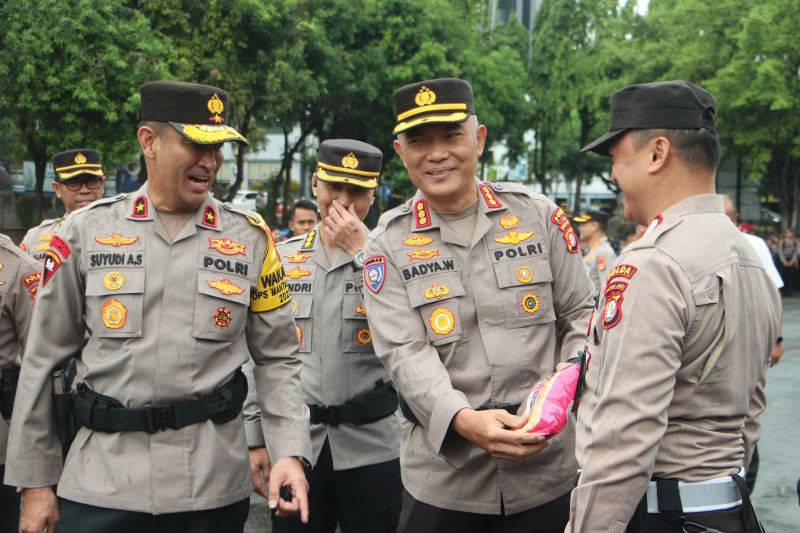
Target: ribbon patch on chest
x,y
422,254
222,317
442,321
417,240
113,313
530,303
363,336
374,272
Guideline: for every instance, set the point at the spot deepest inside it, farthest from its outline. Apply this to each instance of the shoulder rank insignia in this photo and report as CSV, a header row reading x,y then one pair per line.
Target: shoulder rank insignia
x,y
309,242
113,313
374,272
601,263
530,303
222,317
360,310
488,195
442,320
225,286
422,254
51,264
113,280
436,291
227,246
363,336
116,240
509,222
139,207
297,272
299,257
612,311
422,214
513,237
623,270
654,224
417,240
210,216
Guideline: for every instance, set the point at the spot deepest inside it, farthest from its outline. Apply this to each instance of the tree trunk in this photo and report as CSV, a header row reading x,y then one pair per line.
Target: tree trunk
x,y
244,129
586,126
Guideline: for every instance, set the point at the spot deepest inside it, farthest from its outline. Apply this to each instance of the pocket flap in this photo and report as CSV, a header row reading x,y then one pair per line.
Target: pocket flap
x,y
431,289
118,281
218,285
301,306
522,272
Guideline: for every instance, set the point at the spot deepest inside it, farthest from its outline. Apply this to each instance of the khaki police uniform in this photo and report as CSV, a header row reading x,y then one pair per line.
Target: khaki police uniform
x,y
676,378
597,261
37,239
461,324
168,322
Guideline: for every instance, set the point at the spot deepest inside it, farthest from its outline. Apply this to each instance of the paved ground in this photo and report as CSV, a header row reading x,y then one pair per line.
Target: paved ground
x,y
775,497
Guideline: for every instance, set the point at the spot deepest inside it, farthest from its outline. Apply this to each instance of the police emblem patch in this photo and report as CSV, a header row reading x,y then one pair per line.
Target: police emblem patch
x,y
113,280
360,310
51,264
442,321
363,336
374,272
225,286
113,314
216,106
425,96
524,274
210,216
530,303
417,240
436,291
31,282
350,161
222,317
139,207
423,216
612,311
80,159
116,240
297,272
509,222
422,254
227,246
513,237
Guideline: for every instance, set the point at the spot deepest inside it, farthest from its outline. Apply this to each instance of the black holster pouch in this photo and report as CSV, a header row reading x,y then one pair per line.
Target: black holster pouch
x,y
364,408
9,377
104,413
63,400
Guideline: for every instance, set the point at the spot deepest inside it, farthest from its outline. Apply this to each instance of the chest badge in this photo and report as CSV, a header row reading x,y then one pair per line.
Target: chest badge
x,y
299,257
417,240
210,216
113,313
374,272
513,237
509,222
442,321
225,286
116,240
530,303
360,310
297,272
222,317
436,291
227,246
113,280
363,336
524,274
422,254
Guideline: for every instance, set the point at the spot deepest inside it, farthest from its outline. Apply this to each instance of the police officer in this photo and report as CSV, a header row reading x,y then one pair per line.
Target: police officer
x,y
681,340
302,217
474,292
170,284
592,229
19,281
78,182
355,428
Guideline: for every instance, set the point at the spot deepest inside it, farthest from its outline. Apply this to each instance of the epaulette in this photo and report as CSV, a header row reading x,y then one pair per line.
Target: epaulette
x,y
510,187
292,239
9,246
101,201
241,210
390,216
44,222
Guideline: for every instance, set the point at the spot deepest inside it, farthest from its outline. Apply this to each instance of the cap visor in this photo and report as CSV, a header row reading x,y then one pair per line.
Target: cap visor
x,y
430,119
603,143
369,183
64,176
206,134
581,219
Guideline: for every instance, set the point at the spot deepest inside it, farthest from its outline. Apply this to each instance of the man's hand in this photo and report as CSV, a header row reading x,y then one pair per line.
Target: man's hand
x,y
345,228
259,470
39,510
775,355
288,472
487,430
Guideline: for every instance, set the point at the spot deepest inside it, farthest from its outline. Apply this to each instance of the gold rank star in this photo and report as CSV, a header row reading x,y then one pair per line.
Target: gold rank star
x,y
210,216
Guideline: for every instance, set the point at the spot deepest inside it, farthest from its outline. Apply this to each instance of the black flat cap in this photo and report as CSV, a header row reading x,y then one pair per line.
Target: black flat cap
x,y
198,112
73,163
665,104
432,101
593,215
349,161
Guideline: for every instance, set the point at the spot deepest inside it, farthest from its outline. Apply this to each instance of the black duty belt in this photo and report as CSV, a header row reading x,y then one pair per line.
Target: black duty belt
x,y
411,417
8,389
104,413
365,408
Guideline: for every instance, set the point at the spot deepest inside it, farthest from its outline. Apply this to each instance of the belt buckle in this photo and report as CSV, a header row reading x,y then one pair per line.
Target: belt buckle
x,y
332,415
159,418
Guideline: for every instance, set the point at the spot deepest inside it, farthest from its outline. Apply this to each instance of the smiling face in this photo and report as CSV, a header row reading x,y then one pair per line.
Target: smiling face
x,y
82,197
180,172
441,160
346,194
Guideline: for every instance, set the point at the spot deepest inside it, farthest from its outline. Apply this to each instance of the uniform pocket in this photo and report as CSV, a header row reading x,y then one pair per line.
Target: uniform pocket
x,y
114,302
301,306
437,297
221,305
526,289
356,336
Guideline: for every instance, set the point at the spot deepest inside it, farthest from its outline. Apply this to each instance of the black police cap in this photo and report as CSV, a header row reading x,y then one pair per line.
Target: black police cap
x,y
349,161
674,104
198,112
433,101
74,163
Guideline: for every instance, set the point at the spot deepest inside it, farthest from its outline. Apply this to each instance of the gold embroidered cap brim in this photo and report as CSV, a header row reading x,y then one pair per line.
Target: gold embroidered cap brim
x,y
434,118
209,134
93,171
369,183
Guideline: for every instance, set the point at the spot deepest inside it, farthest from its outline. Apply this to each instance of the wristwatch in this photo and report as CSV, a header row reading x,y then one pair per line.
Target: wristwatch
x,y
358,261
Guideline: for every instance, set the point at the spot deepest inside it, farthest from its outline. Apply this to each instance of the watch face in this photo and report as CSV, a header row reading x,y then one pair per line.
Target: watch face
x,y
359,259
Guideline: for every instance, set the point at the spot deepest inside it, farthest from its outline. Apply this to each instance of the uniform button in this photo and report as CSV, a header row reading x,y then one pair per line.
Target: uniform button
x,y
712,294
405,208
498,186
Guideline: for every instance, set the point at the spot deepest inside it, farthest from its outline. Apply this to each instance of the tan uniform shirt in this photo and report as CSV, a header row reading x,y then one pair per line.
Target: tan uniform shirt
x,y
680,346
37,240
168,323
336,347
598,260
19,281
459,324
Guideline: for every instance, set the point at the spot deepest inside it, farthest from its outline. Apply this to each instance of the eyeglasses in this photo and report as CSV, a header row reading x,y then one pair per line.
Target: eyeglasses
x,y
76,184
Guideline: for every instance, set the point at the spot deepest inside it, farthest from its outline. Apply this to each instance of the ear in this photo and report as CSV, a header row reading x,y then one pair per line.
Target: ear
x,y
398,149
147,140
659,151
481,138
57,188
372,196
314,184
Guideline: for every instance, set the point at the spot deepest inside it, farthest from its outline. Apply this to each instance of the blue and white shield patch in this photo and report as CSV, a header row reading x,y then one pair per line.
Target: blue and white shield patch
x,y
374,272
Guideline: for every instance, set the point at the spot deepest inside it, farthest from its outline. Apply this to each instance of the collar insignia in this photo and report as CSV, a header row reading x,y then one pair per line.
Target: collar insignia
x,y
423,216
297,272
139,207
299,257
509,222
417,240
422,254
210,216
309,242
226,246
489,197
117,240
225,286
654,224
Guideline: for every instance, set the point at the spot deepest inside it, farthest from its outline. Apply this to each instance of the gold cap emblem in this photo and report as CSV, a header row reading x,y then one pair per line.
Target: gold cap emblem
x,y
80,158
350,161
216,106
425,96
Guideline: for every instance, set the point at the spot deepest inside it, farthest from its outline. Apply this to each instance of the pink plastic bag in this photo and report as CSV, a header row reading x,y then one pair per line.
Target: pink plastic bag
x,y
550,401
